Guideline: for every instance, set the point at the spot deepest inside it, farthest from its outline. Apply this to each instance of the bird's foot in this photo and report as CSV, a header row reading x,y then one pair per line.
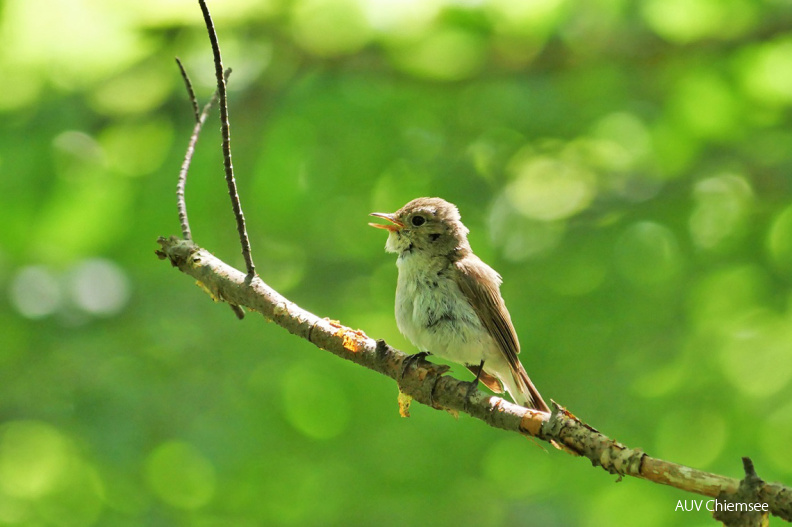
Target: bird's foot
x,y
473,385
436,371
471,391
412,359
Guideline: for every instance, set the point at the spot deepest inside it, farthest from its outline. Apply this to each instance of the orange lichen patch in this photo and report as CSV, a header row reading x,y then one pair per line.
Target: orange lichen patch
x,y
352,339
532,422
351,343
404,404
567,413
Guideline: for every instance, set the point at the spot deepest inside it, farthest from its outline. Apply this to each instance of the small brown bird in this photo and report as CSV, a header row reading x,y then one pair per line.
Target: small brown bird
x,y
448,301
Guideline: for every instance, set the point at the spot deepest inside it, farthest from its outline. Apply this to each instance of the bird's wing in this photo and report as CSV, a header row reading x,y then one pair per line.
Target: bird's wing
x,y
480,285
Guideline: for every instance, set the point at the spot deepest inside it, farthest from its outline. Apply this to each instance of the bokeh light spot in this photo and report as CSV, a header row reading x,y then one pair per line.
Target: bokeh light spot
x,y
33,458
693,437
537,17
74,42
520,238
491,151
137,149
706,106
35,292
99,287
726,295
330,27
314,403
86,210
79,499
168,13
180,475
549,189
757,344
73,150
445,55
647,254
401,17
627,131
136,91
723,204
684,21
766,71
660,381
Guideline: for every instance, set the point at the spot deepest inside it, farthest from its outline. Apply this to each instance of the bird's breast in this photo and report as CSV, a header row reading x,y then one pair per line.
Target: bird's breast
x,y
433,313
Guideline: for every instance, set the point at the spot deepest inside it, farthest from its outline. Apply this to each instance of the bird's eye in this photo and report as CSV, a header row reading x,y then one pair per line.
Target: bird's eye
x,y
417,221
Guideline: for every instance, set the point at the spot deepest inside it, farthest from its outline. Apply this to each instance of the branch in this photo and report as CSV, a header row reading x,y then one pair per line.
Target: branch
x,y
424,382
225,126
200,119
190,92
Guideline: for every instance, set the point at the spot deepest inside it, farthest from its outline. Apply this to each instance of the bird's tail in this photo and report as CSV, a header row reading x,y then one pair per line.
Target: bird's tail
x,y
527,394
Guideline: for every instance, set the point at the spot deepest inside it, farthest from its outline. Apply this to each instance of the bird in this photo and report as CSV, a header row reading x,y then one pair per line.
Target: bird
x,y
448,301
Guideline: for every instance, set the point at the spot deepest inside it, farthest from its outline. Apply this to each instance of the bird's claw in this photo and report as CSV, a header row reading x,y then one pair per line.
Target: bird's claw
x,y
471,391
412,359
436,371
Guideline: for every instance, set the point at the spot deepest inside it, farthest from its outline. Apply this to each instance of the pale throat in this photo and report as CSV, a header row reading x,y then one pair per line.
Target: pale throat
x,y
397,243
419,263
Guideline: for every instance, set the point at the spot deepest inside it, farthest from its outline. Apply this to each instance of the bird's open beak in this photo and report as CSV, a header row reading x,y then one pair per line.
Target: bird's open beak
x,y
397,225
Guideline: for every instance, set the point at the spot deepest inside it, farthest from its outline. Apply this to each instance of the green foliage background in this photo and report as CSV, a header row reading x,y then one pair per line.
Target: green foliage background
x,y
624,165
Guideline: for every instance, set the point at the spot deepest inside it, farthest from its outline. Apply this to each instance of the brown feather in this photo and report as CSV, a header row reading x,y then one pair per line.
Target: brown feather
x,y
488,380
480,285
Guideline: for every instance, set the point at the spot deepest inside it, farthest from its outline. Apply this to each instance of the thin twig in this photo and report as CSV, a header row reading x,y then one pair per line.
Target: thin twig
x,y
190,91
200,119
226,129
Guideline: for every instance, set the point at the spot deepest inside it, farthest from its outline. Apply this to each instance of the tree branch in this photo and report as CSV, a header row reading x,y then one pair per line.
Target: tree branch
x,y
226,130
425,383
190,91
200,119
